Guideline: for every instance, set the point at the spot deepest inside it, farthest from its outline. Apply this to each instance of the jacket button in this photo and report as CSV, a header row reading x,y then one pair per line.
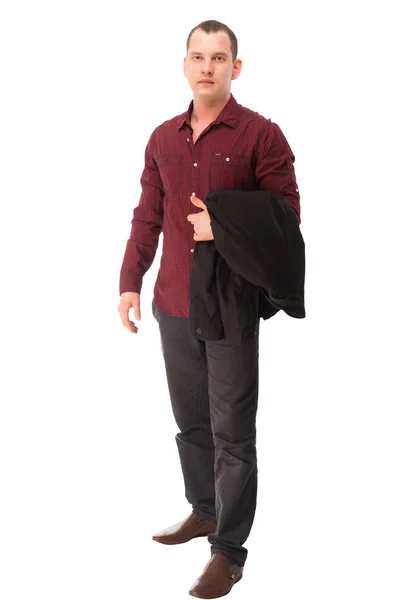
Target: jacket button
x,y
198,330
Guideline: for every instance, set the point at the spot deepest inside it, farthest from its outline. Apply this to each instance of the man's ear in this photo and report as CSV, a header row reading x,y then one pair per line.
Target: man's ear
x,y
237,67
184,66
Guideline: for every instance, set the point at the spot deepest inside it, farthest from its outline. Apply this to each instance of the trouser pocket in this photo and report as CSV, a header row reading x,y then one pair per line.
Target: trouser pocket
x,y
156,312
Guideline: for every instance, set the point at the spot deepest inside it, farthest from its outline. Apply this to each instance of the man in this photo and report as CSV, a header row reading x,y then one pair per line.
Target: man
x,y
213,385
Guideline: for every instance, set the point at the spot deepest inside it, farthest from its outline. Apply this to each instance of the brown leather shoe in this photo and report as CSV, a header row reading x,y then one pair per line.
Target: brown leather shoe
x,y
191,527
218,578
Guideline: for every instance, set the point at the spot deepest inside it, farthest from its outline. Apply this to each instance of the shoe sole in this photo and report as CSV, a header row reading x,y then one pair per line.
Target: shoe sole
x,y
196,595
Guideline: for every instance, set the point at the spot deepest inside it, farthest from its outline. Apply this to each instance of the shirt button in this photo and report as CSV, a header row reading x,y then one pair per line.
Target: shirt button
x,y
228,158
198,330
195,164
193,193
297,189
192,250
187,139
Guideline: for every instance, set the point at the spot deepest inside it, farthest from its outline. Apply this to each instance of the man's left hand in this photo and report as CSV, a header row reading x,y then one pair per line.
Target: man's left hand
x,y
201,221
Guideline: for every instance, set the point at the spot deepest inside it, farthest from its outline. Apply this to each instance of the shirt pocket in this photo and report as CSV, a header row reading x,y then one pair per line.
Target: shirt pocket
x,y
229,171
170,172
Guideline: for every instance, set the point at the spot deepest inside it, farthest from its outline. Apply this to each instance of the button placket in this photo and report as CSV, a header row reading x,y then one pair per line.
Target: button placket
x,y
194,178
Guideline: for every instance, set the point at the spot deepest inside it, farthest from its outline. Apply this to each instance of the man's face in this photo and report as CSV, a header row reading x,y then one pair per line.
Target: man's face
x,y
210,57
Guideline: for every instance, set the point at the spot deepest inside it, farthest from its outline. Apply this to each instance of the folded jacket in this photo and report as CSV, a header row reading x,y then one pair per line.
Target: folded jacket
x,y
254,266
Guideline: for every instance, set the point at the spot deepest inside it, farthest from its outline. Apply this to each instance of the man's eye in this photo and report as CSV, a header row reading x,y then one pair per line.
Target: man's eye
x,y
216,57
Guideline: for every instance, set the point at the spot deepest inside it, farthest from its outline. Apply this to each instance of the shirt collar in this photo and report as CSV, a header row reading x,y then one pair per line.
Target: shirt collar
x,y
229,114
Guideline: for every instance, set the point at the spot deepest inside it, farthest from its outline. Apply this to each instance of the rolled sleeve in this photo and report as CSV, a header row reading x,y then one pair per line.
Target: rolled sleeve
x,y
274,169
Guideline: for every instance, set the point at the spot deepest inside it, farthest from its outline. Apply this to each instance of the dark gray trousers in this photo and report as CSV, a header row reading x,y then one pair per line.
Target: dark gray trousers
x,y
213,387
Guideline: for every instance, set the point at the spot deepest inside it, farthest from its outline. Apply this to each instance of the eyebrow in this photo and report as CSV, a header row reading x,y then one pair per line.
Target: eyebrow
x,y
219,53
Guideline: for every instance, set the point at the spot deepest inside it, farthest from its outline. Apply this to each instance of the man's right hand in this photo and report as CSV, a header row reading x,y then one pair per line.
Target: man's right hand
x,y
129,300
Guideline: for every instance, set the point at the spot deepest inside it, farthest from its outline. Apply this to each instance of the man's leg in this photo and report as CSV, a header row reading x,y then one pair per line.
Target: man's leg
x,y
233,393
186,370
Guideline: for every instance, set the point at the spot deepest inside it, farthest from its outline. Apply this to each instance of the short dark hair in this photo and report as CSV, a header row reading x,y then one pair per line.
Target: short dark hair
x,y
213,27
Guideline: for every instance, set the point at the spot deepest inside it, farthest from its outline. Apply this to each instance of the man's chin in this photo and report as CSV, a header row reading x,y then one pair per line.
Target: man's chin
x,y
206,90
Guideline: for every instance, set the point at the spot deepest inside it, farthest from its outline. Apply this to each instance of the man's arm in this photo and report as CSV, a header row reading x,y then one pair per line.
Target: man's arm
x,y
274,169
147,223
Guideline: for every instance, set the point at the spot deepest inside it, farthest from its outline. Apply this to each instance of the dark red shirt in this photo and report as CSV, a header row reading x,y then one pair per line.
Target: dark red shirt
x,y
239,150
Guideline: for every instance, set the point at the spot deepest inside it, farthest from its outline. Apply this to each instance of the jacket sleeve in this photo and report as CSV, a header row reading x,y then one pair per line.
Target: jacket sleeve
x,y
146,227
274,170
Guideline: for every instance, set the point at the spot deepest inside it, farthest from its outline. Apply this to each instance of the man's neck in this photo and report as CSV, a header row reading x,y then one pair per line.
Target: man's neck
x,y
206,111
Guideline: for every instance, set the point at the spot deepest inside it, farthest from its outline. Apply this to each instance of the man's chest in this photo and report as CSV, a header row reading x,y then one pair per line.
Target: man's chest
x,y
197,130
205,158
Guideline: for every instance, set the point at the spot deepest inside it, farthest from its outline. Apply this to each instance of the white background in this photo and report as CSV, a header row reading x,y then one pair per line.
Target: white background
x,y
89,464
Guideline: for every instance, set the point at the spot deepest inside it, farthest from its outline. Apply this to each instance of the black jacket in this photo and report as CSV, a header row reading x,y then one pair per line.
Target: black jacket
x,y
254,266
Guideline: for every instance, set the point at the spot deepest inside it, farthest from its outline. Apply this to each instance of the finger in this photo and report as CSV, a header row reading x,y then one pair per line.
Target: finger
x,y
129,325
133,327
125,319
197,202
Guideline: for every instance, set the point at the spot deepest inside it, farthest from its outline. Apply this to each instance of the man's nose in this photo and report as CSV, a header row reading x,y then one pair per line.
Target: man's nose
x,y
207,67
